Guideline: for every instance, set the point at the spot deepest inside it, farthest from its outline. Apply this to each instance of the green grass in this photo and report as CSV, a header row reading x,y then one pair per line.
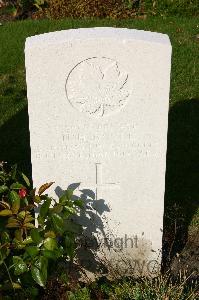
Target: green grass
x,y
182,32
182,177
160,288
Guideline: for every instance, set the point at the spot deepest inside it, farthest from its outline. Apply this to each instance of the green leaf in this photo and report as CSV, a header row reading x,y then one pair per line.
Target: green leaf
x,y
70,246
72,227
38,276
27,241
29,218
79,203
57,208
25,200
18,235
33,292
12,223
37,199
4,252
35,235
5,212
45,207
25,178
39,271
15,200
69,193
32,251
58,223
8,286
3,189
41,221
50,234
66,214
71,210
21,215
29,225
66,196
18,244
17,186
55,254
16,286
50,243
14,171
5,238
20,266
49,254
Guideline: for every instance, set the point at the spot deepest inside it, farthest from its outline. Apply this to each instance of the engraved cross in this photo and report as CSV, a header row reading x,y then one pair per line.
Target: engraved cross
x,y
98,182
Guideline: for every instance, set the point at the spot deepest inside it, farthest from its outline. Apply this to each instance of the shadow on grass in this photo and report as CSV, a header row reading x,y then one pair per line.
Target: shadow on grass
x,y
182,176
15,141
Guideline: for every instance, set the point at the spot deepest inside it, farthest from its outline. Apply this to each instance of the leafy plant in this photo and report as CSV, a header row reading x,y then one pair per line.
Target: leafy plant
x,y
171,7
28,253
161,287
39,4
24,8
59,9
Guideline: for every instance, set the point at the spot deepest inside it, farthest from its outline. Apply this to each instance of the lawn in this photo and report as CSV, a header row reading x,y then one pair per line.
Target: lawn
x,y
182,177
13,102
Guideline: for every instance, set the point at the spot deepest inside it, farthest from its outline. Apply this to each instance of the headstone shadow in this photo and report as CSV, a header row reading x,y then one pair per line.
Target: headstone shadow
x,y
15,141
182,180
90,218
182,176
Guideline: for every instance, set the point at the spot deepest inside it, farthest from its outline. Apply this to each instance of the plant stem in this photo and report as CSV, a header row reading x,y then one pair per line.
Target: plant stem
x,y
7,270
10,278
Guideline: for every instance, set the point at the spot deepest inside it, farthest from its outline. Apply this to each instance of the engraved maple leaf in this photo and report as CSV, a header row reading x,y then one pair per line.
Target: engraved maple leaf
x,y
100,87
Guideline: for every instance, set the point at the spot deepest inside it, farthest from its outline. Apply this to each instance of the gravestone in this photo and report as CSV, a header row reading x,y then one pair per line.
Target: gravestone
x,y
98,103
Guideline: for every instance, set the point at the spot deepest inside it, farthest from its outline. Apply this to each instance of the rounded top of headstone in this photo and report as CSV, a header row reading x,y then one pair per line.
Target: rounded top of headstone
x,y
96,33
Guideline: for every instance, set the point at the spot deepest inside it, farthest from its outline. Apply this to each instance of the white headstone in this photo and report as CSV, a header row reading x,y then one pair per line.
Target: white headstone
x,y
98,103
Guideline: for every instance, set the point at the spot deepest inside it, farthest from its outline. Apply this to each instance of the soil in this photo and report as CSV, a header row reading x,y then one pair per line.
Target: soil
x,y
187,262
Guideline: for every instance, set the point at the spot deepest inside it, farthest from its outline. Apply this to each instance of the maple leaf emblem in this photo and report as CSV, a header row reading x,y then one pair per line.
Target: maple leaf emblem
x,y
97,86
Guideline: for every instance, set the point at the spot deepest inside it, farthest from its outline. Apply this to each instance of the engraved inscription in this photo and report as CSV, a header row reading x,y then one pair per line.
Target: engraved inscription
x,y
81,142
97,86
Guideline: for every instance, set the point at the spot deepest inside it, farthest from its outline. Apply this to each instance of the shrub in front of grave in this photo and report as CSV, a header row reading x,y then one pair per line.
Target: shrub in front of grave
x,y
59,9
162,287
22,9
29,254
171,7
118,9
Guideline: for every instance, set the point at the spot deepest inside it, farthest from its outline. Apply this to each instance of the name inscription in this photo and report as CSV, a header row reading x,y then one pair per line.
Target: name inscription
x,y
75,142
